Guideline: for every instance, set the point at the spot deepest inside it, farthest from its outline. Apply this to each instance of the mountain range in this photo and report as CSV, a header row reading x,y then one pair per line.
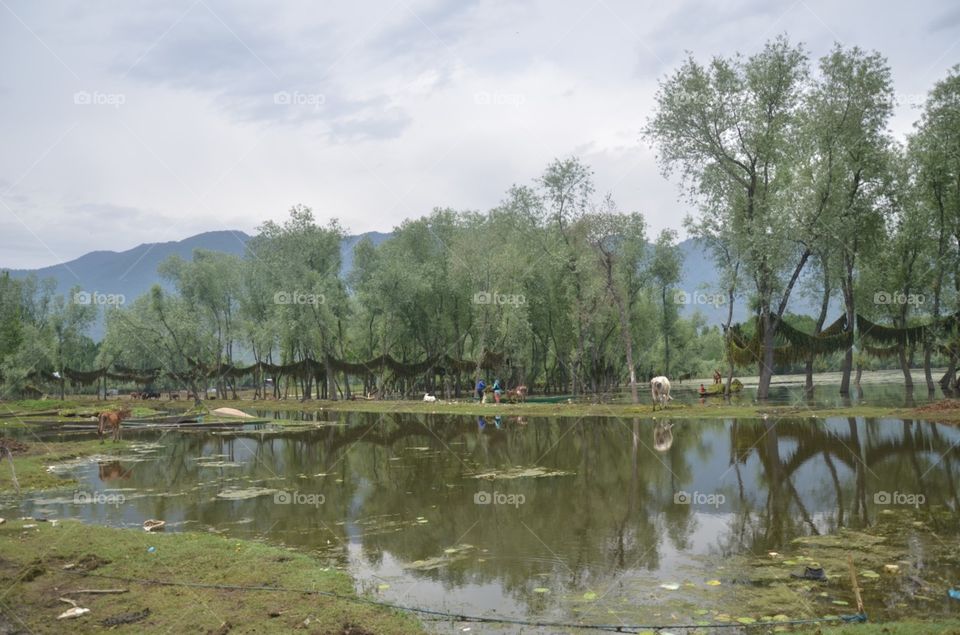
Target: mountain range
x,y
132,272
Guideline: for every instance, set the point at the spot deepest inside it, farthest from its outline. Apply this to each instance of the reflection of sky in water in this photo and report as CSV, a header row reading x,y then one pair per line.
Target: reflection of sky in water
x,y
406,495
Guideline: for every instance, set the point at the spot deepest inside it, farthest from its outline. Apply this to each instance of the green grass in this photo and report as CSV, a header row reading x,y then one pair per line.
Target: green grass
x,y
673,411
31,466
32,562
905,627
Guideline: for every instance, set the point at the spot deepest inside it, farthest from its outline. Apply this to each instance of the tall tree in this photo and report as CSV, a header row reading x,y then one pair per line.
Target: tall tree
x,y
843,146
730,128
665,266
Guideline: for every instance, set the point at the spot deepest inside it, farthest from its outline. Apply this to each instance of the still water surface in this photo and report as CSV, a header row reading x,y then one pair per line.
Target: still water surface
x,y
529,517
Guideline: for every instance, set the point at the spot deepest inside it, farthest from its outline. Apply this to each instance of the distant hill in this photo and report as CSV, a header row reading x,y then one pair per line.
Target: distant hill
x,y
134,271
699,280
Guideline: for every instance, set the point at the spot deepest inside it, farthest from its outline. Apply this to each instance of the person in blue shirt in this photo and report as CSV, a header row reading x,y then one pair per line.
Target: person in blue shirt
x,y
481,385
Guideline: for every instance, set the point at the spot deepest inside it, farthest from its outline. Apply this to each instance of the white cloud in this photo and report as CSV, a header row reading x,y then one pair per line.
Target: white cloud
x,y
392,108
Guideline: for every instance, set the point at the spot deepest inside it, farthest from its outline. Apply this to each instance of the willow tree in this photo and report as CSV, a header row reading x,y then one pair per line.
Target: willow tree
x,y
210,284
729,127
935,155
842,154
309,300
618,241
566,189
665,267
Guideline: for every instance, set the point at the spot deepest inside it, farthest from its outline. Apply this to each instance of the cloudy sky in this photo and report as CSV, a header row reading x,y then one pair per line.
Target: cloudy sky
x,y
123,123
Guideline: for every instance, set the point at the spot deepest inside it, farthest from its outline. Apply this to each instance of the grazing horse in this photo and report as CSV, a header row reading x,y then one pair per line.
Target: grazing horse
x,y
660,391
517,394
112,419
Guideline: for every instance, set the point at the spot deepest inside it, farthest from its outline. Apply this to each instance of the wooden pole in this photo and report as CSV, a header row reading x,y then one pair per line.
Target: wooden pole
x,y
856,587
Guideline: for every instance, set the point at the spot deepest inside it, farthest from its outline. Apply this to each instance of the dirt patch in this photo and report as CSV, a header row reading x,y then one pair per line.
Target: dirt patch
x,y
33,571
89,562
223,630
940,406
12,446
126,618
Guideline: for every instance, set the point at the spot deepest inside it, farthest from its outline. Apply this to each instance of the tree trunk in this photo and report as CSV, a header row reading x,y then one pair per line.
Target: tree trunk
x,y
849,305
905,366
766,353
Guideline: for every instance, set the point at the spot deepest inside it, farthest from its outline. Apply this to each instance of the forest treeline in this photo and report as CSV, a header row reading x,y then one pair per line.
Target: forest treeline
x,y
800,188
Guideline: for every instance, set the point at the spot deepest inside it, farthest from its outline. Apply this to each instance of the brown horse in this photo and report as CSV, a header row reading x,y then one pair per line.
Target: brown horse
x,y
112,419
517,394
113,471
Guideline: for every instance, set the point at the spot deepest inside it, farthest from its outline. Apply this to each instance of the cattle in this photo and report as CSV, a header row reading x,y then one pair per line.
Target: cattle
x,y
660,391
662,436
429,398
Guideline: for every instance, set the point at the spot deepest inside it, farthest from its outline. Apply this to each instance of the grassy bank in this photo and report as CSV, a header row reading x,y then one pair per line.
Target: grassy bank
x,y
31,465
945,410
43,562
713,409
33,560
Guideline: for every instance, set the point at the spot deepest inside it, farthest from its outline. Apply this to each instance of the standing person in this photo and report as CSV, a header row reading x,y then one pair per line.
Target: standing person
x,y
481,385
497,390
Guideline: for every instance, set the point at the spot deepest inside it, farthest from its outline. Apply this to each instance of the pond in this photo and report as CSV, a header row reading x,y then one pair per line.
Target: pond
x,y
594,519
